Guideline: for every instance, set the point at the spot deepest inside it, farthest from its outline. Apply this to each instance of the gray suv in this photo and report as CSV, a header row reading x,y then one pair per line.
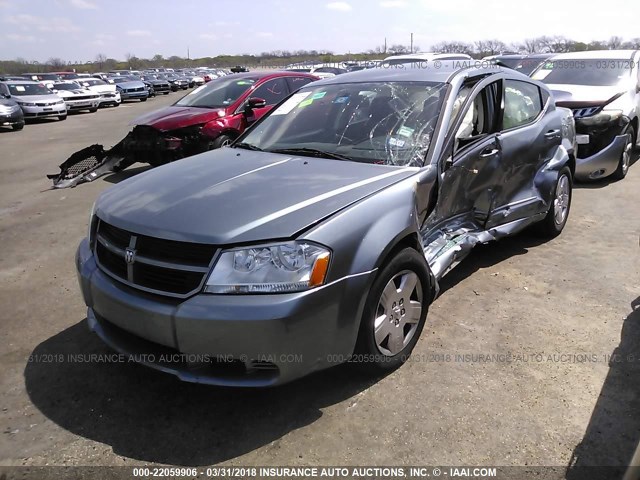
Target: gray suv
x,y
319,237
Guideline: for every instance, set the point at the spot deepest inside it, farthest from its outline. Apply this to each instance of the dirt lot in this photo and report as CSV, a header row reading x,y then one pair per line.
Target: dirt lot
x,y
545,317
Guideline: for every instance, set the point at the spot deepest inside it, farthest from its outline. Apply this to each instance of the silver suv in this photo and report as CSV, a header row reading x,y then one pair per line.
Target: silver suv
x,y
36,100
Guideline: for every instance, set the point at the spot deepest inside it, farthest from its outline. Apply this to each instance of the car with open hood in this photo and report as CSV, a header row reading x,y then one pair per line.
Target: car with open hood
x,y
76,97
35,99
320,236
603,90
209,117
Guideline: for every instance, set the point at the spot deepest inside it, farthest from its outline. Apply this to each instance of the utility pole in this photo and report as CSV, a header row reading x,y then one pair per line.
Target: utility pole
x,y
385,45
411,42
188,54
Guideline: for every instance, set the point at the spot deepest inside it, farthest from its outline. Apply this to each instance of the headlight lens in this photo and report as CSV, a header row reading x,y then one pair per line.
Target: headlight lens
x,y
603,118
277,268
92,216
27,104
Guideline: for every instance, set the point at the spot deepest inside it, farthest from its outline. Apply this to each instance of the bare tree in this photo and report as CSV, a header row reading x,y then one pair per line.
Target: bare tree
x,y
56,62
485,48
614,43
453,47
100,59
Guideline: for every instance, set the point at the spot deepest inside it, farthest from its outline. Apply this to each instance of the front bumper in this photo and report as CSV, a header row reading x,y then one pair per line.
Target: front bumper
x,y
110,98
82,104
603,163
246,340
42,112
134,95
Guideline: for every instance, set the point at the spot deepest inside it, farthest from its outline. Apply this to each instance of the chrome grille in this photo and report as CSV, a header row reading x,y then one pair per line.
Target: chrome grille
x,y
166,267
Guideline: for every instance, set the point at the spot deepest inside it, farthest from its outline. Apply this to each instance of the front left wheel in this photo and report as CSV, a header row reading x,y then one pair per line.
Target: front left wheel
x,y
395,313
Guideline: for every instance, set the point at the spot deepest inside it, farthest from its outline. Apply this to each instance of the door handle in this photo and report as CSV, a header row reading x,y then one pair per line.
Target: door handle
x,y
489,152
552,134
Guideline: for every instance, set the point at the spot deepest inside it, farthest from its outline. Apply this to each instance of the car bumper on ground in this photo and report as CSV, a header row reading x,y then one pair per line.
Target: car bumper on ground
x,y
601,164
250,340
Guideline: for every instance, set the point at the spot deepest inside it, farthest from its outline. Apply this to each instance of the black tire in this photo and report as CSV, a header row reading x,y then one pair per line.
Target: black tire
x,y
165,93
93,110
116,104
221,141
371,354
143,99
625,158
62,117
18,126
552,225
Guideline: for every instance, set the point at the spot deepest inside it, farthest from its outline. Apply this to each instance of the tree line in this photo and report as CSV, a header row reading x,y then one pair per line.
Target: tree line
x,y
477,49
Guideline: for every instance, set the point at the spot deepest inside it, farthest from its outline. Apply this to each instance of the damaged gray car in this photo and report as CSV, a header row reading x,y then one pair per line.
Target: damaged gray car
x,y
319,237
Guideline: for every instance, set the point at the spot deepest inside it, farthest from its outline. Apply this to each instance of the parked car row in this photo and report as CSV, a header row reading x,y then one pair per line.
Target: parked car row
x,y
56,94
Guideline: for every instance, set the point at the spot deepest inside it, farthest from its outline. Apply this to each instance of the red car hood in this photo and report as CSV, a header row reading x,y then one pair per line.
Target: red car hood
x,y
172,118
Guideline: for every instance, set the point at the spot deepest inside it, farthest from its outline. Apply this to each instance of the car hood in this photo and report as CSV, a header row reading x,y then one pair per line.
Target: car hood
x,y
575,96
102,88
38,98
173,117
73,93
133,84
232,196
7,102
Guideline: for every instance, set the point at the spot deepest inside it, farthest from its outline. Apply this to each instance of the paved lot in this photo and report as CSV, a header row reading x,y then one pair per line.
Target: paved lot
x,y
545,316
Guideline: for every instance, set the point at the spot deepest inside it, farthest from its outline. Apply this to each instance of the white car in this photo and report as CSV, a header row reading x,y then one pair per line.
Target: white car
x,y
109,95
602,87
75,97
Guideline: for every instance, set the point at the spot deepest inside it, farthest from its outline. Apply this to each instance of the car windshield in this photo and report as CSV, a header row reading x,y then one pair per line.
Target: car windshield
x,y
590,72
218,93
123,79
388,123
91,83
65,86
22,89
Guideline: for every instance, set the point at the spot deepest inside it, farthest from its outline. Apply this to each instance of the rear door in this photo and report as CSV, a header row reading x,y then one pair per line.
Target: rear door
x,y
531,133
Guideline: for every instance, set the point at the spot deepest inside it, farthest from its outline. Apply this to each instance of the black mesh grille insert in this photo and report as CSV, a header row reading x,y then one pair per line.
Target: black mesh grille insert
x,y
166,266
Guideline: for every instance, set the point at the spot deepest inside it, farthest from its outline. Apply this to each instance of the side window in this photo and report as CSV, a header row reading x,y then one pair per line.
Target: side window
x,y
479,118
273,91
296,82
3,89
522,103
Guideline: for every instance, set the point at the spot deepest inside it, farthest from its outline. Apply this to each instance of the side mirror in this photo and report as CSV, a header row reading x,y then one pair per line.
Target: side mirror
x,y
638,88
254,102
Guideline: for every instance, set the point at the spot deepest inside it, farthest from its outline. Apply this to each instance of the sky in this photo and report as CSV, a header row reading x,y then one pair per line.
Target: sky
x,y
78,30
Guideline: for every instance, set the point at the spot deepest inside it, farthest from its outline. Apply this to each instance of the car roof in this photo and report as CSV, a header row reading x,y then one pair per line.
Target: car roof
x,y
269,74
20,82
596,54
444,72
426,56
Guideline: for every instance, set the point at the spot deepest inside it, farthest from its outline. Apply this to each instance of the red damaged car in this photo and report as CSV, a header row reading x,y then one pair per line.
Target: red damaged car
x,y
209,117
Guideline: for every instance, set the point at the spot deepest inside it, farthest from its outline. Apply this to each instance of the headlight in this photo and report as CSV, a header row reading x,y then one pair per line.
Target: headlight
x,y
59,102
603,118
27,104
277,268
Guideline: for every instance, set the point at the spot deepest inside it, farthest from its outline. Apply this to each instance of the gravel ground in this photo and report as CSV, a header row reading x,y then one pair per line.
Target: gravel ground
x,y
514,367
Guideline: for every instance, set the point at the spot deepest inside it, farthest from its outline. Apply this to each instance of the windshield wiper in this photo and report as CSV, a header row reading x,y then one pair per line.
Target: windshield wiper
x,y
247,146
311,152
